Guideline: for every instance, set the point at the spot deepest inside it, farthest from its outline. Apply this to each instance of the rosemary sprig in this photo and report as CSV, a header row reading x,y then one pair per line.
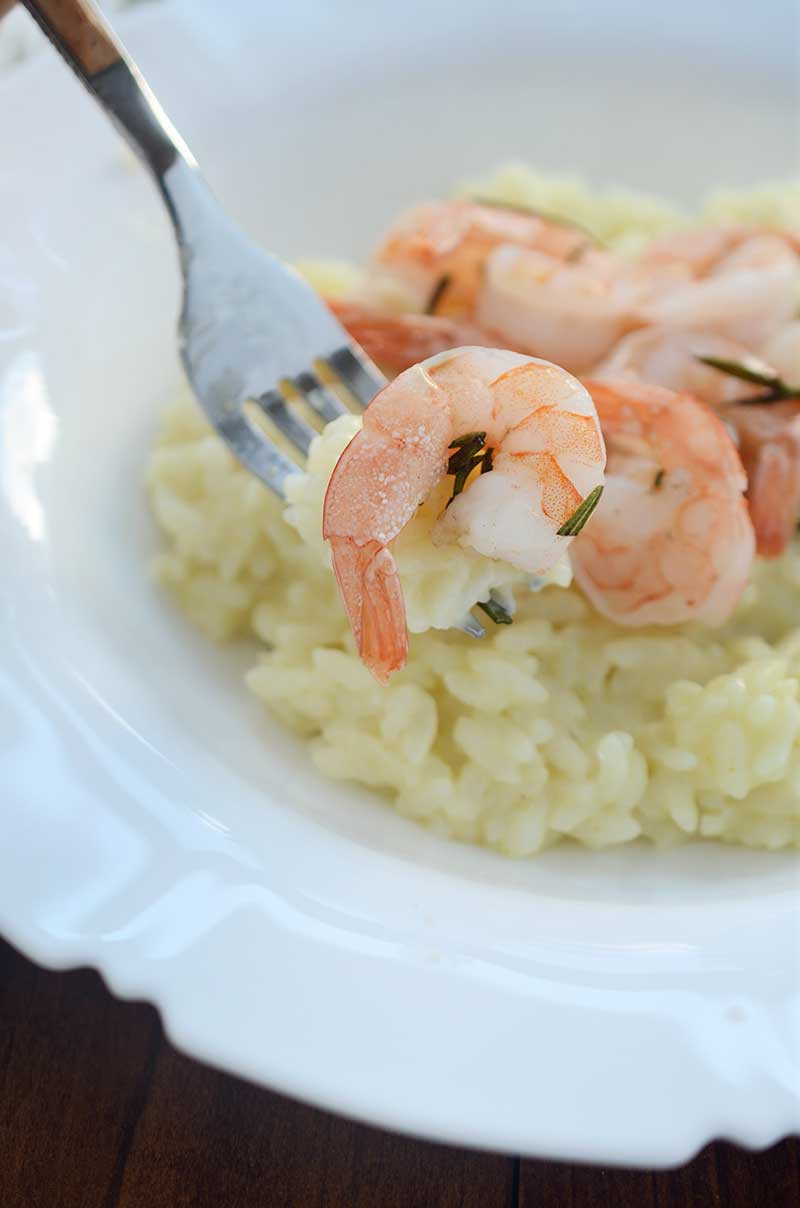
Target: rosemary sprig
x,y
573,526
659,478
777,389
535,212
495,611
461,442
439,290
738,369
470,451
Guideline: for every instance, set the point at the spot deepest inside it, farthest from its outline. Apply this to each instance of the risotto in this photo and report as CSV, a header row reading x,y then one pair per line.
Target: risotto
x,y
560,725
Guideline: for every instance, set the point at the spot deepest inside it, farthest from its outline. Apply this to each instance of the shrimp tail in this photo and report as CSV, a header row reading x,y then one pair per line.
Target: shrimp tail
x,y
372,595
774,493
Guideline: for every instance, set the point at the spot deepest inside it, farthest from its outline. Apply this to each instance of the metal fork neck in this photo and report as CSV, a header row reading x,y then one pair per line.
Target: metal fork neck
x,y
138,115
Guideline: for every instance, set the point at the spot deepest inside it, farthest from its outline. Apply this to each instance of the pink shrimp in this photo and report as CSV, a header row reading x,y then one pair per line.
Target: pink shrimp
x,y
768,435
396,342
739,282
769,444
670,357
571,313
672,540
452,239
547,457
696,252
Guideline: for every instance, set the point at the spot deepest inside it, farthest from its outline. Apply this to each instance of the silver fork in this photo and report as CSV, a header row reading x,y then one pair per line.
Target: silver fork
x,y
250,326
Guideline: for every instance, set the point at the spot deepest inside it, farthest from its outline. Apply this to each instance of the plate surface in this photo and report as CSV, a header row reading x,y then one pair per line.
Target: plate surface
x,y
624,1006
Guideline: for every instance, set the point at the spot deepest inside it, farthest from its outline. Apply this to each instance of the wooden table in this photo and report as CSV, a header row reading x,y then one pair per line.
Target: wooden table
x,y
97,1110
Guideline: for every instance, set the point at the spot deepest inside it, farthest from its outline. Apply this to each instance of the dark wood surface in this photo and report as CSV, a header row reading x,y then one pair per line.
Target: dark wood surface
x,y
97,1110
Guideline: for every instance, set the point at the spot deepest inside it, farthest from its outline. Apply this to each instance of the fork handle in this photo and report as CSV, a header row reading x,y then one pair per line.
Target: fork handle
x,y
82,37
79,32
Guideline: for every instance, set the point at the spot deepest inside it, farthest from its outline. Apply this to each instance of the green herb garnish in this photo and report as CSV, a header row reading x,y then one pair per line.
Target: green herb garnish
x,y
439,290
581,514
470,451
494,610
777,389
657,481
517,208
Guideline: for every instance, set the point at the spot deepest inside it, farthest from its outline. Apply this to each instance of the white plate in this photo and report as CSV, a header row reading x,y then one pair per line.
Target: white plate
x,y
619,1007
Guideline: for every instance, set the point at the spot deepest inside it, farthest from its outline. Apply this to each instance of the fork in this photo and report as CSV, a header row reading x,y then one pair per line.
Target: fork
x,y
251,330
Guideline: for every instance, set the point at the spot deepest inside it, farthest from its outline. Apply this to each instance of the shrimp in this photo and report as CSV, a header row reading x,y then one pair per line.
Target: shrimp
x,y
397,342
452,239
571,313
737,282
769,444
768,436
669,357
547,457
695,252
672,540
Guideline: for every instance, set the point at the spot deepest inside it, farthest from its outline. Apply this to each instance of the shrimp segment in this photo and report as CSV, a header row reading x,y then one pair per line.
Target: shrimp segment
x,y
769,444
453,239
397,342
570,313
738,282
672,540
670,357
768,435
698,251
548,454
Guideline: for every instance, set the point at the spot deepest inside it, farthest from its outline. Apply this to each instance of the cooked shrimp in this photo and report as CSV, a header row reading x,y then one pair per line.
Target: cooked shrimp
x,y
453,239
697,251
397,342
569,313
547,456
666,356
672,540
692,253
769,444
768,435
736,282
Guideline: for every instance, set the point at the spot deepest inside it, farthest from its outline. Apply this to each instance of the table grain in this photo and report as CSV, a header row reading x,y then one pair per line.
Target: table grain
x,y
98,1110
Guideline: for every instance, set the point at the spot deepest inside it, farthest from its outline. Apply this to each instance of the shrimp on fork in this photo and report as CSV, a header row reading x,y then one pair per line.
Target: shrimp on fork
x,y
673,540
547,456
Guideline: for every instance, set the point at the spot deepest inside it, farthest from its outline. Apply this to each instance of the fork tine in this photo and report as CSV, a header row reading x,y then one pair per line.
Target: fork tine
x,y
319,397
360,376
257,453
293,427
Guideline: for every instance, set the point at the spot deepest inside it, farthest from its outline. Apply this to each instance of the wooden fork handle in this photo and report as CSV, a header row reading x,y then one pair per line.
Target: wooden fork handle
x,y
78,30
85,41
82,37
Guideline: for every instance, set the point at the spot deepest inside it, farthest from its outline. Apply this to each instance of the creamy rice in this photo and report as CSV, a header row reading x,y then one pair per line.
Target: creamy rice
x,y
560,725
